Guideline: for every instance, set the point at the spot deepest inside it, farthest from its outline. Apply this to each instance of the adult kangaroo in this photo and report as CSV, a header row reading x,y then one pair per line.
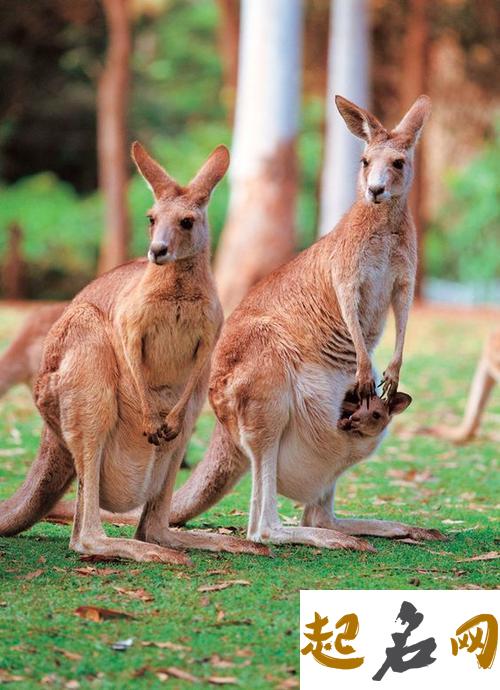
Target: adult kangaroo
x,y
300,339
123,377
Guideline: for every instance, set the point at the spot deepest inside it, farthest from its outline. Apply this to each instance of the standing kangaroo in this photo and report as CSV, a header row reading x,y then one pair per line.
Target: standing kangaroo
x,y
300,339
487,374
21,360
123,377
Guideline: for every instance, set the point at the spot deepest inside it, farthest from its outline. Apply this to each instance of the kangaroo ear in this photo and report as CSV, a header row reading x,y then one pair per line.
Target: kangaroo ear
x,y
210,173
413,122
359,121
157,179
399,402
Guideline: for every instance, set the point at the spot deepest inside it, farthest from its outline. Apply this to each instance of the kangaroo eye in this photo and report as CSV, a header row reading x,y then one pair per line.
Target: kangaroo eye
x,y
376,415
186,223
364,161
151,220
398,164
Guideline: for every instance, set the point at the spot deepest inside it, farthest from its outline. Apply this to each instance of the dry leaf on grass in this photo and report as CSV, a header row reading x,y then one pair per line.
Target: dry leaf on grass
x,y
140,594
6,677
490,556
90,571
222,680
72,656
33,575
219,662
180,674
166,645
222,585
98,614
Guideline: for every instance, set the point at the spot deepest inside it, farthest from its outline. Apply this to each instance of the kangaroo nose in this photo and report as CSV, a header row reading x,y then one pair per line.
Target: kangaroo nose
x,y
377,189
157,252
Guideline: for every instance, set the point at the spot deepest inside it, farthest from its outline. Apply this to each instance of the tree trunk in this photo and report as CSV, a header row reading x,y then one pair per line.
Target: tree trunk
x,y
415,83
259,234
13,269
112,98
348,67
228,39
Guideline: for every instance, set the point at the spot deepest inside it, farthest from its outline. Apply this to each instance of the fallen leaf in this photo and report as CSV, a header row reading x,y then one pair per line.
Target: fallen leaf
x,y
90,571
219,662
223,585
98,614
161,675
490,556
33,575
50,679
166,645
140,594
220,680
181,675
219,571
73,656
72,685
42,559
6,677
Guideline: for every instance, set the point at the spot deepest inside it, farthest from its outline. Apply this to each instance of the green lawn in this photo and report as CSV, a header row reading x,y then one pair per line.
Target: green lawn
x,y
250,632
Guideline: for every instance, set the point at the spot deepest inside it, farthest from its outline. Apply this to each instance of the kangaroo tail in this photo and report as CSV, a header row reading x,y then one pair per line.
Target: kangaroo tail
x,y
221,468
48,478
21,360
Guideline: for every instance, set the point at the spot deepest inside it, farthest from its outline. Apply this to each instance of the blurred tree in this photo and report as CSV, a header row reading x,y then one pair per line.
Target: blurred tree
x,y
348,61
13,266
414,83
112,102
228,33
259,234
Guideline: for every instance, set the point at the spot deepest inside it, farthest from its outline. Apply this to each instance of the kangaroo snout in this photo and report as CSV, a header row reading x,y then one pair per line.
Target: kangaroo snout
x,y
158,252
376,193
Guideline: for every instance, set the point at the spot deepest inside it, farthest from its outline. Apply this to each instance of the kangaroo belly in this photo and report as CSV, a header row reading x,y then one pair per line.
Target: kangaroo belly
x,y
313,451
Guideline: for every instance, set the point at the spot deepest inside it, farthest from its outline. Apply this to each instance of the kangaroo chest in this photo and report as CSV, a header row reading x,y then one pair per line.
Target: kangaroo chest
x,y
170,343
378,272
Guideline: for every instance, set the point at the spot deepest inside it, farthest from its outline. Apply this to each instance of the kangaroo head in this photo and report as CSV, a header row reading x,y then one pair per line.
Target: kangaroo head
x,y
178,225
387,162
370,419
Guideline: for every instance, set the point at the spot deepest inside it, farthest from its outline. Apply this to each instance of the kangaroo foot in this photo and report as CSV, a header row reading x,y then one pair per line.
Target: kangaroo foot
x,y
311,536
195,539
130,549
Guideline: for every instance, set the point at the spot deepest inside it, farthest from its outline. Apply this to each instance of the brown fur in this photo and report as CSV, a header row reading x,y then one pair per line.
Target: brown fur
x,y
301,338
21,360
123,378
487,374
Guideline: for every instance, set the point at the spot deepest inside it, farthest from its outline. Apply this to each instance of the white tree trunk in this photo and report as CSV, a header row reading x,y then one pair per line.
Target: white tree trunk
x,y
348,67
259,233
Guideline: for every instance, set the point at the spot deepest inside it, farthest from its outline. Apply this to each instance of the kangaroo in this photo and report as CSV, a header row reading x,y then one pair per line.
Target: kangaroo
x,y
487,374
300,339
21,360
123,377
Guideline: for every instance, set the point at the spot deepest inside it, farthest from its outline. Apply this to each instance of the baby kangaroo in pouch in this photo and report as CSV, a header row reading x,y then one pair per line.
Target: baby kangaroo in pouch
x,y
123,378
300,340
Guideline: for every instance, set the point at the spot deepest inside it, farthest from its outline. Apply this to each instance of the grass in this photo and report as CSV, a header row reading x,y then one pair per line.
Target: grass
x,y
254,628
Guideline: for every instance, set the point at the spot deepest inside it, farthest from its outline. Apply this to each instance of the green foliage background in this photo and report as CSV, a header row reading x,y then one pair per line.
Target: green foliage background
x,y
179,110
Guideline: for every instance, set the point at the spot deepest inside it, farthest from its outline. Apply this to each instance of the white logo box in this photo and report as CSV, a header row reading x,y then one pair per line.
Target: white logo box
x,y
444,611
